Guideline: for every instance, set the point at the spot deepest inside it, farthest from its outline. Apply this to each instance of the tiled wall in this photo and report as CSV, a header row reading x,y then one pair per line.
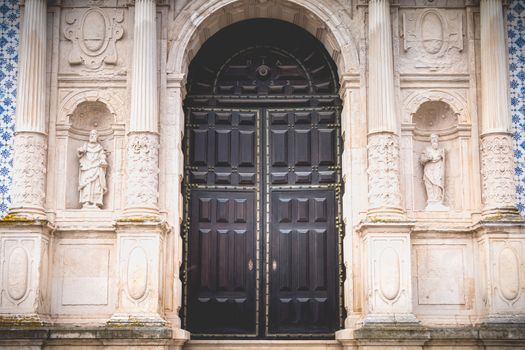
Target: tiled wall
x,y
9,25
516,33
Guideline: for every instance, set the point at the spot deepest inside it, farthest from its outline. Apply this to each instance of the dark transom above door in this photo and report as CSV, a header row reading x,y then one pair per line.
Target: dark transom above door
x,y
262,190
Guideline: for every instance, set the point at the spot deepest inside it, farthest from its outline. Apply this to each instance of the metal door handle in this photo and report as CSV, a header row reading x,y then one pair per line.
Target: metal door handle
x,y
274,265
250,264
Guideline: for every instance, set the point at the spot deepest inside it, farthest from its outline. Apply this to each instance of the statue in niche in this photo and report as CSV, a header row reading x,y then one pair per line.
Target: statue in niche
x,y
433,161
92,173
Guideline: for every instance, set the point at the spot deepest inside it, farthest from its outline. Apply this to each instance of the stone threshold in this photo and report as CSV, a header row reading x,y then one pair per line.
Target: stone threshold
x,y
412,336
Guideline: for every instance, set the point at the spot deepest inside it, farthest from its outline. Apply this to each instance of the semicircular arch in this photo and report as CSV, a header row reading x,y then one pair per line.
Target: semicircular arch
x,y
328,21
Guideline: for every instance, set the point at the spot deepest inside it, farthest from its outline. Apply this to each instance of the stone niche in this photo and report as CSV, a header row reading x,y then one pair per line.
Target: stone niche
x,y
437,117
87,116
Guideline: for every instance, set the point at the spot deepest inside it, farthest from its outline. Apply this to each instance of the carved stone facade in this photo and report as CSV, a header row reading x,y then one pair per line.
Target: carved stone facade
x,y
410,278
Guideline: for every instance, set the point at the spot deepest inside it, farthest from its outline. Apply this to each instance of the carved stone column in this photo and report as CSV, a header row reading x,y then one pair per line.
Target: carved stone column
x,y
384,193
25,234
497,157
500,241
385,236
143,138
30,142
141,235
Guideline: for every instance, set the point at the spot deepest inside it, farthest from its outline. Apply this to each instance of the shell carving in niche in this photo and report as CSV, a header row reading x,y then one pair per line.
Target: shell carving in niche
x,y
17,273
509,274
137,274
390,274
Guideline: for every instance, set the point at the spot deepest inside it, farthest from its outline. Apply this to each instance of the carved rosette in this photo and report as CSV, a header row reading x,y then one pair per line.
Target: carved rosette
x,y
29,169
384,194
143,173
497,172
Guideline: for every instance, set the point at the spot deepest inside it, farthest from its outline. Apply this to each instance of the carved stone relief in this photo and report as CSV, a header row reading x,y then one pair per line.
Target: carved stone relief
x,y
432,39
29,169
383,171
143,170
507,274
93,34
18,271
497,171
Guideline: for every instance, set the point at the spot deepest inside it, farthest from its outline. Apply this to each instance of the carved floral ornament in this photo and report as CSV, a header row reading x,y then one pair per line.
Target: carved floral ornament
x,y
383,171
143,170
94,35
497,170
29,167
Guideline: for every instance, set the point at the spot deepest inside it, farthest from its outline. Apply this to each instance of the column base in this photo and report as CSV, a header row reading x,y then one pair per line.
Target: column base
x,y
386,214
501,214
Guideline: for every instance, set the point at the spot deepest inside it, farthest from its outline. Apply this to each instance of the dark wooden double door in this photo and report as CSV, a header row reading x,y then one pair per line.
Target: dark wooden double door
x,y
262,227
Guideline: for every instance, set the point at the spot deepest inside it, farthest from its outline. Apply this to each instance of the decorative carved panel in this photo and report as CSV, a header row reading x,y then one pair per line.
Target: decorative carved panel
x,y
93,34
432,40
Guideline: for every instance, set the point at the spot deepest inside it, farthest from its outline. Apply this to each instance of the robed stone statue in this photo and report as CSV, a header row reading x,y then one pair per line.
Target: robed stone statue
x,y
433,161
92,172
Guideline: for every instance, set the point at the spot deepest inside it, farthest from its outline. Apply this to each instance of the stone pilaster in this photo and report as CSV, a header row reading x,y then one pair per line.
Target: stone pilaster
x,y
497,157
30,142
384,192
143,138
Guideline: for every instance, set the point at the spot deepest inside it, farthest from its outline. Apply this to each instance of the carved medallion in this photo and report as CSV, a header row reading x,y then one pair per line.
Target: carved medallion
x,y
94,34
433,38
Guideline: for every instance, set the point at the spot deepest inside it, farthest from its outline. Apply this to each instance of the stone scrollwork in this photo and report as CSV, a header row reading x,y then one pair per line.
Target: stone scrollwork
x,y
383,171
143,170
94,34
497,171
29,169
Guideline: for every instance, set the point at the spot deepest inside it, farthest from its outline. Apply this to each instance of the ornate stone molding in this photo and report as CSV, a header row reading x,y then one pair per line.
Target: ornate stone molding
x,y
384,193
497,171
29,169
143,174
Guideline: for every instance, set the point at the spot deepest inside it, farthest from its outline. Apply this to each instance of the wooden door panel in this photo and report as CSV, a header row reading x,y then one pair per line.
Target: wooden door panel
x,y
223,147
303,147
221,274
304,263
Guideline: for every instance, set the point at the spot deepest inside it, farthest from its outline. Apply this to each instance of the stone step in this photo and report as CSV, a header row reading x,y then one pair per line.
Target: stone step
x,y
262,345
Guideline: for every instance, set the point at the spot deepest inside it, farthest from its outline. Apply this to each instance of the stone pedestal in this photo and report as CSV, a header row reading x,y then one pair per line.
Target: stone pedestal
x,y
24,266
140,251
501,248
387,278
